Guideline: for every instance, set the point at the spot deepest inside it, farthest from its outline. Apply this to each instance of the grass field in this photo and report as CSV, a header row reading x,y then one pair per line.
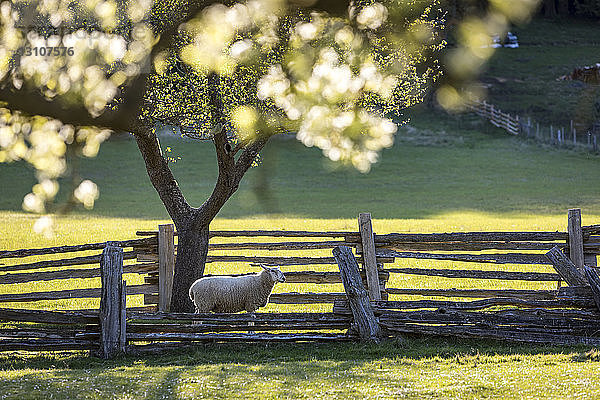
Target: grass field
x,y
423,369
524,81
445,174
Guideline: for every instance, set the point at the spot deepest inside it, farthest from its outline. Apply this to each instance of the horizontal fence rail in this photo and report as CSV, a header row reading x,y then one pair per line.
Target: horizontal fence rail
x,y
40,330
259,233
65,267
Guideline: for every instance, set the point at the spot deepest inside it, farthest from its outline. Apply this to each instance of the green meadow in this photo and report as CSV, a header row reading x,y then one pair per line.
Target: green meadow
x,y
446,173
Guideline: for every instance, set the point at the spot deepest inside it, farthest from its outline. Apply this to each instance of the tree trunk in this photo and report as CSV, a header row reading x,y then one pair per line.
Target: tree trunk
x,y
192,248
563,7
549,9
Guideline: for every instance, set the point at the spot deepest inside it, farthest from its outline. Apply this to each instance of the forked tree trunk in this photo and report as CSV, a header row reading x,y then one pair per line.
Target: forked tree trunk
x,y
193,223
192,249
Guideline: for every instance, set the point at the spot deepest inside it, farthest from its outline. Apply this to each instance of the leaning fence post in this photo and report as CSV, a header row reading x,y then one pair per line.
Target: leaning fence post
x,y
565,267
112,302
370,258
576,239
358,299
166,265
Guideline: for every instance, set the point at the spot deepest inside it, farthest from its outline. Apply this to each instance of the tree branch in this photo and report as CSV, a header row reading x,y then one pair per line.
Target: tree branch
x,y
31,101
248,156
226,184
161,176
231,171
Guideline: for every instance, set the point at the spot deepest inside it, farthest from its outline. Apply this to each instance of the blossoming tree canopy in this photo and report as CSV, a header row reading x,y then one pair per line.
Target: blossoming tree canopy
x,y
72,55
338,77
337,82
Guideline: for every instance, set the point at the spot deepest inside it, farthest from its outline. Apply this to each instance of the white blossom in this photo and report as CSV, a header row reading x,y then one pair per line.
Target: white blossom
x,y
86,193
372,16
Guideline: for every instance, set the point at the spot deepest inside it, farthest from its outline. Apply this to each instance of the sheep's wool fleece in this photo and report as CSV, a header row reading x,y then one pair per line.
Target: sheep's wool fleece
x,y
223,294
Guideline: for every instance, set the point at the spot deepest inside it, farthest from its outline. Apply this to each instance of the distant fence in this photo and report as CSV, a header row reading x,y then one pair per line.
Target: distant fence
x,y
496,117
524,127
488,306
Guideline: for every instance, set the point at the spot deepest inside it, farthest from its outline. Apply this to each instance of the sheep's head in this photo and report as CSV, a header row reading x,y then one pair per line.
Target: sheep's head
x,y
275,273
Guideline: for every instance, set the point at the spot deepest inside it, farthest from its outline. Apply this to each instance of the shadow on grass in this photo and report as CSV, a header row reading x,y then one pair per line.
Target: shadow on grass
x,y
420,368
210,354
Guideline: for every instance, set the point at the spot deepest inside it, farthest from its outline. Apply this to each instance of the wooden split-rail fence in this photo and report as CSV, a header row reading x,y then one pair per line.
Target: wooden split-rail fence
x,y
538,287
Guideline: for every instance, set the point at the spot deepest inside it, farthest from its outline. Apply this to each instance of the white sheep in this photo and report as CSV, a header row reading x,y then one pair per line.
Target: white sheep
x,y
231,294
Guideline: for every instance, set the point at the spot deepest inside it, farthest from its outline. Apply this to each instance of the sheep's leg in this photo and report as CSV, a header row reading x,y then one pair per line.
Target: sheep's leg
x,y
196,322
196,311
251,323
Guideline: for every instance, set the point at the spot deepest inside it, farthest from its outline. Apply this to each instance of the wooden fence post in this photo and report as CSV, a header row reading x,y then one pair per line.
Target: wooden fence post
x,y
112,302
166,265
358,299
370,259
565,267
576,239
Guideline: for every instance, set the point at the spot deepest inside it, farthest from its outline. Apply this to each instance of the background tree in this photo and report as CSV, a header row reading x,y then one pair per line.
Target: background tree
x,y
235,75
588,8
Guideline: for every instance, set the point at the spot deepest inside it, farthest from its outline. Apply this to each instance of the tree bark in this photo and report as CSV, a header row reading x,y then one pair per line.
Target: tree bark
x,y
160,174
193,226
192,249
